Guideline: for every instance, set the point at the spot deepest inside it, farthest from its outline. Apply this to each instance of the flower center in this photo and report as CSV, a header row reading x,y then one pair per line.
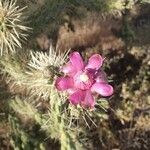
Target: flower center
x,y
84,77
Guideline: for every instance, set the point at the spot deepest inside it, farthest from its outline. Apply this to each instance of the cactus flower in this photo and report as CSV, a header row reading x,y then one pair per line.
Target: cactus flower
x,y
81,80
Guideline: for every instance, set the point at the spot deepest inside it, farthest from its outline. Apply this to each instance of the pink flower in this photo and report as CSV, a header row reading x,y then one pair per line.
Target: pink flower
x,y
82,80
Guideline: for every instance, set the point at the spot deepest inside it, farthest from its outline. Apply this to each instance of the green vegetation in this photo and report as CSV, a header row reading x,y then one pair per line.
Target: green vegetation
x,y
33,114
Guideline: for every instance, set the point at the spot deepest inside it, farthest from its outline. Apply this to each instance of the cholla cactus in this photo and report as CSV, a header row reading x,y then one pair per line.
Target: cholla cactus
x,y
12,32
42,69
40,60
37,74
144,1
54,122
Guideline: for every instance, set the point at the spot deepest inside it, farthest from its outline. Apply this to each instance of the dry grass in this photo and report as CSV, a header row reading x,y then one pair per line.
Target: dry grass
x,y
92,31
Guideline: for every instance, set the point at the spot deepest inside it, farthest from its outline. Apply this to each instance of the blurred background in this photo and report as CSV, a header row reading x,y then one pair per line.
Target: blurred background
x,y
118,30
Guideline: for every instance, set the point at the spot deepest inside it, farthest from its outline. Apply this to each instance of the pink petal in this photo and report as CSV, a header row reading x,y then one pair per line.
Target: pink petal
x,y
101,77
95,62
76,61
64,83
71,90
69,69
83,85
77,97
88,100
103,89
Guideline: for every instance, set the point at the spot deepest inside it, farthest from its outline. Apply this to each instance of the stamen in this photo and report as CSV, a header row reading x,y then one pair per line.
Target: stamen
x,y
84,77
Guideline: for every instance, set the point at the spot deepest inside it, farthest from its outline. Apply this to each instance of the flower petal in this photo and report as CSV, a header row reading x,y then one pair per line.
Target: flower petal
x,y
77,97
64,83
95,62
103,89
71,90
69,69
101,77
83,80
88,100
76,61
